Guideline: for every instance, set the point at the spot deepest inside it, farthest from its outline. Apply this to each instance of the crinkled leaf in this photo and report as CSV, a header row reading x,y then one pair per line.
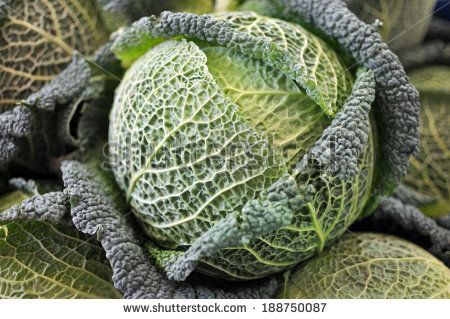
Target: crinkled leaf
x,y
271,211
193,117
15,124
335,202
370,266
335,205
41,260
395,217
83,122
341,144
397,108
97,208
69,111
36,151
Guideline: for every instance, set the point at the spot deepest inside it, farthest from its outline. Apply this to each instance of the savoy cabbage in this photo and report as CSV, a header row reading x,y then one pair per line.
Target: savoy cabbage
x,y
238,136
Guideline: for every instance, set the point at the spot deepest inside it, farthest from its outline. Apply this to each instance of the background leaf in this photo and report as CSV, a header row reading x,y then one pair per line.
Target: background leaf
x,y
37,40
405,22
429,171
370,266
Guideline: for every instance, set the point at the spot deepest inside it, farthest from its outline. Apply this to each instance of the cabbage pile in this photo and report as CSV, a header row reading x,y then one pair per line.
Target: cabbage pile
x,y
220,155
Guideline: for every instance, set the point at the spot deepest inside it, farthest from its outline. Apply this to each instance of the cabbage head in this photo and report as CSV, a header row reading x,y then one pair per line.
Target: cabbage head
x,y
200,131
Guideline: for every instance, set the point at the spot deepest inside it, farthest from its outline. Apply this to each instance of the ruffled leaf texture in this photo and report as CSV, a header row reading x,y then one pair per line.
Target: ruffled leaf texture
x,y
134,287
15,124
33,122
42,260
37,40
369,266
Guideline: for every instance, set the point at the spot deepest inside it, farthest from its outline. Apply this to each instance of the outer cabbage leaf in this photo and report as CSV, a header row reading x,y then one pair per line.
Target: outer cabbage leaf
x,y
14,125
335,202
69,111
41,143
404,22
335,205
369,265
97,208
429,172
398,106
37,40
434,237
40,260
